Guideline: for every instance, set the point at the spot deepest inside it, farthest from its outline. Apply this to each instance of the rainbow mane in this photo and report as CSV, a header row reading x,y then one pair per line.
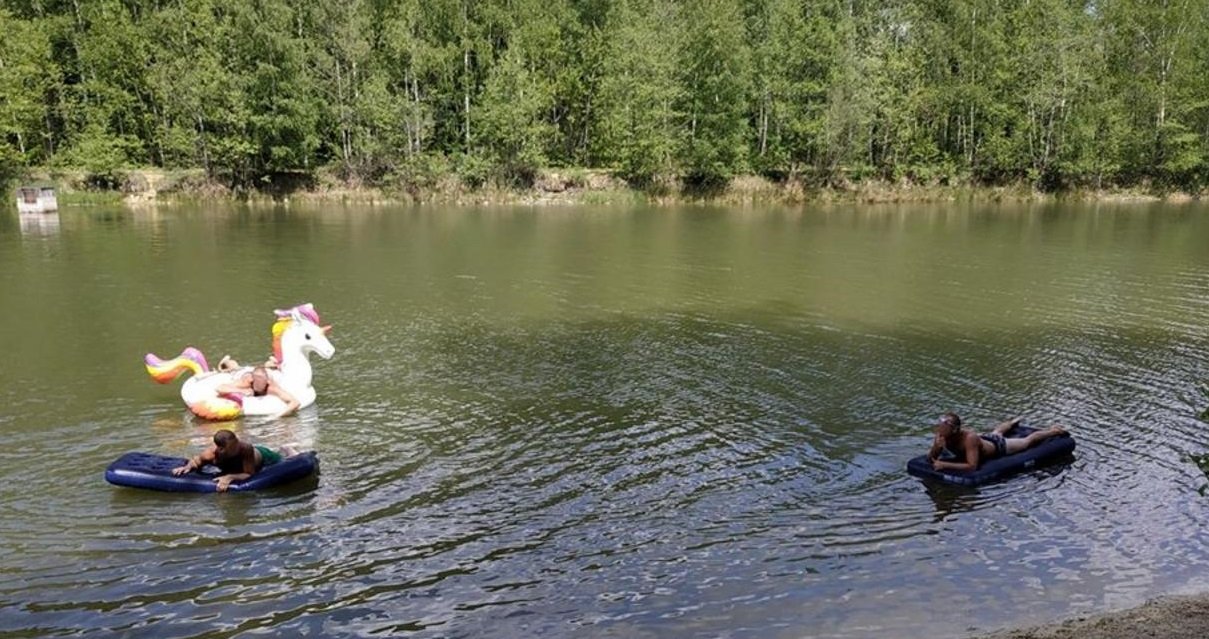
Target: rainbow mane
x,y
278,328
164,371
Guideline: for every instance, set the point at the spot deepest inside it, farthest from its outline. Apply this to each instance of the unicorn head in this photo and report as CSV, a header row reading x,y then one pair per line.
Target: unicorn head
x,y
296,334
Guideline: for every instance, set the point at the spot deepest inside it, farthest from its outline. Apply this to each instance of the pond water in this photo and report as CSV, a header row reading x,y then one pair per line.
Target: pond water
x,y
608,422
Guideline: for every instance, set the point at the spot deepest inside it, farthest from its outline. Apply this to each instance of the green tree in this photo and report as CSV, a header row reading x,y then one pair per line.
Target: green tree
x,y
715,76
636,119
1049,87
1152,62
281,106
514,131
109,123
201,110
27,77
793,58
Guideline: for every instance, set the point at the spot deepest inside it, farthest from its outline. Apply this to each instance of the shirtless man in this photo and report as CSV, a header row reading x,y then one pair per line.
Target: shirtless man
x,y
237,460
258,384
975,448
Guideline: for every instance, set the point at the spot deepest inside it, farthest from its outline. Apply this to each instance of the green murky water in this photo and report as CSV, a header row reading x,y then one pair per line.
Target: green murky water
x,y
607,422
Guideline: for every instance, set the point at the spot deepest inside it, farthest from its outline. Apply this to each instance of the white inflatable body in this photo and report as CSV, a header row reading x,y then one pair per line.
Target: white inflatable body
x,y
296,335
203,388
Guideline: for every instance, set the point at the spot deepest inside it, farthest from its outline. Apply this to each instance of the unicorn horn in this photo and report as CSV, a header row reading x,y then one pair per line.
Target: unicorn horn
x,y
326,329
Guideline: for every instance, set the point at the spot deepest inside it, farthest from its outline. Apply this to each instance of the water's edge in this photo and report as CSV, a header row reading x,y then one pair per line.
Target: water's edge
x,y
1168,617
574,186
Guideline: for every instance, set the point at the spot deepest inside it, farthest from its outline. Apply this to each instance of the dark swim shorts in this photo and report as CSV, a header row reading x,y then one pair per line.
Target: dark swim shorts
x,y
268,456
999,442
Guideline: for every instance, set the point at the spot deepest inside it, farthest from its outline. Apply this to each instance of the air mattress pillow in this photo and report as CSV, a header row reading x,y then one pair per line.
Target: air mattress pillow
x,y
148,470
1049,450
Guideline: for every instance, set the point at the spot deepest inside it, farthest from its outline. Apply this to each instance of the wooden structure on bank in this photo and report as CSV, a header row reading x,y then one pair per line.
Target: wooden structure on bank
x,y
36,199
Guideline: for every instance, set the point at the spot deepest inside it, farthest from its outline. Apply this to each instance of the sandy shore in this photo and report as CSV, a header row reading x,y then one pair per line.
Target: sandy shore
x,y
1185,617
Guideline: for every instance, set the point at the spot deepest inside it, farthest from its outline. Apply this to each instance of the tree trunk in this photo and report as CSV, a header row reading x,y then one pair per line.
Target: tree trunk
x,y
466,96
763,126
159,146
346,145
466,76
201,140
586,140
50,135
417,113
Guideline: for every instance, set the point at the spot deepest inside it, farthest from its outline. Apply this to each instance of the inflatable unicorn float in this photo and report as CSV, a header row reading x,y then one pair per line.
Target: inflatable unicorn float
x,y
296,334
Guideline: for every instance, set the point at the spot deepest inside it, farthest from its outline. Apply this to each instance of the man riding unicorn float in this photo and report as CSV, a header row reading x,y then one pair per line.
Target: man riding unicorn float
x,y
296,333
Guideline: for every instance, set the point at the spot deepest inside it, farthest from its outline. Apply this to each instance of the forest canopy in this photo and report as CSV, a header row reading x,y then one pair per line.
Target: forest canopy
x,y
1057,94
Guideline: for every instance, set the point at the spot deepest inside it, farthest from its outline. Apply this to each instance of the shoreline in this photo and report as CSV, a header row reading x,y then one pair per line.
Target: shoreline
x,y
144,187
1166,617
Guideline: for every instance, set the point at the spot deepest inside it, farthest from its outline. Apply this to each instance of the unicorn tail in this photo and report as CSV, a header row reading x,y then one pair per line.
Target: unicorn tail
x,y
164,371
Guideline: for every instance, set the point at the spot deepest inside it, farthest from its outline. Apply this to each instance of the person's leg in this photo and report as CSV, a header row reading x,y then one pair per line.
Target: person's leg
x,y
268,456
1003,427
1017,444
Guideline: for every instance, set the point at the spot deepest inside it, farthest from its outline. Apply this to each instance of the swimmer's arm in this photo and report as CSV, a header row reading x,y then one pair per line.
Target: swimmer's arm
x,y
291,404
225,481
194,463
233,387
249,469
938,444
973,453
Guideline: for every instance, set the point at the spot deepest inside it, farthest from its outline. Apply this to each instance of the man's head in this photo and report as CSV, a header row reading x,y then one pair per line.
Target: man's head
x,y
948,425
226,442
260,381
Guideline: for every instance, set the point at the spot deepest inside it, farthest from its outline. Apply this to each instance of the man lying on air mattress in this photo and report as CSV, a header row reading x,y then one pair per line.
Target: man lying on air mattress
x,y
961,456
973,448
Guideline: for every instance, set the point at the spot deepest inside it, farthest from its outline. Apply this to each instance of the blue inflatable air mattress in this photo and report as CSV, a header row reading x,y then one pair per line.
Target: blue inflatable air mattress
x,y
148,470
1052,449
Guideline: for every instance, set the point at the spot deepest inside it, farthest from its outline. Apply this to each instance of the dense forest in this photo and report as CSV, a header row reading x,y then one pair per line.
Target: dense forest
x,y
1056,94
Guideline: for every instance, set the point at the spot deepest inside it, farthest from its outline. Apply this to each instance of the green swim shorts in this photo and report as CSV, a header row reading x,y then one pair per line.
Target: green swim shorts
x,y
268,456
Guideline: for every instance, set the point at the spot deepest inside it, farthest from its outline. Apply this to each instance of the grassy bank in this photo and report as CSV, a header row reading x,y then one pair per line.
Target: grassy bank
x,y
552,186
